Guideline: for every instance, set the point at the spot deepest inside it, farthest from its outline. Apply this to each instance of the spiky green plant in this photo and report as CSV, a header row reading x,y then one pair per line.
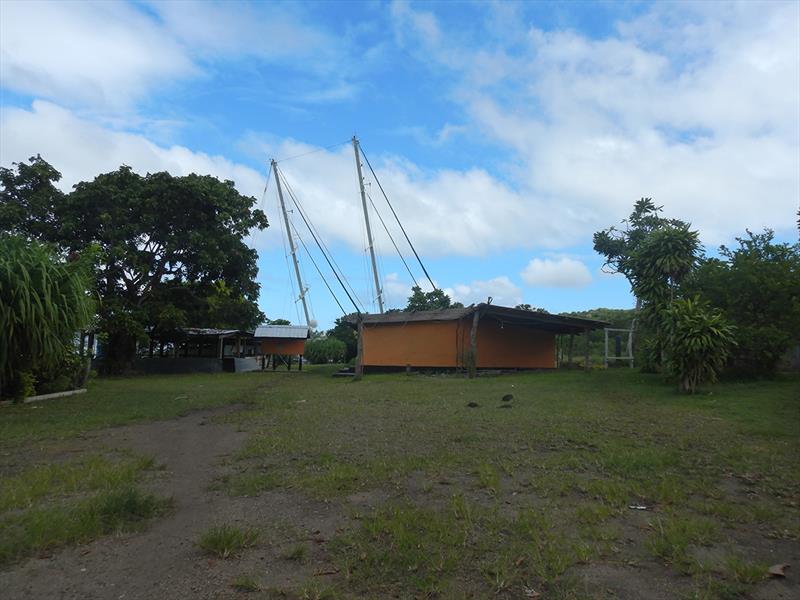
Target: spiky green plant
x,y
44,301
698,342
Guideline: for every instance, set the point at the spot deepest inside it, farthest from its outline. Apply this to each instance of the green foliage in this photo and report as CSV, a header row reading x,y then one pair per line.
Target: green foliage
x,y
757,286
172,248
433,300
325,350
346,333
28,199
530,308
657,255
698,341
44,301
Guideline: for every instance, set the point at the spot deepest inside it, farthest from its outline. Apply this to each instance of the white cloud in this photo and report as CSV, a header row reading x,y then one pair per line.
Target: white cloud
x,y
502,290
563,272
108,55
697,106
104,54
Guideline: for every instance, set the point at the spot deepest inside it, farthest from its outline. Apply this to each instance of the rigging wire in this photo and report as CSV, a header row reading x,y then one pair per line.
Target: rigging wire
x,y
403,229
317,241
325,281
313,151
386,229
320,242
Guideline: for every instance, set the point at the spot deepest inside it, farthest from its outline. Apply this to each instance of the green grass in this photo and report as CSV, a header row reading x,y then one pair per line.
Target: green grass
x,y
46,527
50,505
119,400
227,541
246,583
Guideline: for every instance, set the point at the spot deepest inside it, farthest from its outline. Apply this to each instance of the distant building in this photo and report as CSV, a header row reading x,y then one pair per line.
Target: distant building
x,y
497,337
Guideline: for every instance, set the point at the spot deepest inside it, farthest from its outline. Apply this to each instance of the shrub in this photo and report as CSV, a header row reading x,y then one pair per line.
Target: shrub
x,y
325,350
698,341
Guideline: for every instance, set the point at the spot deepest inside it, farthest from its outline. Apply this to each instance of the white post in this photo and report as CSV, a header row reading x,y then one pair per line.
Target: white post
x,y
292,248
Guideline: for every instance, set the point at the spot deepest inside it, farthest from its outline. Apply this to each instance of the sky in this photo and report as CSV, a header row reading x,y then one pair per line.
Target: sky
x,y
504,134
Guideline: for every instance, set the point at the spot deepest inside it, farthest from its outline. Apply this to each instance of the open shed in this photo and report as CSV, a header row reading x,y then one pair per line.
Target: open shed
x,y
482,336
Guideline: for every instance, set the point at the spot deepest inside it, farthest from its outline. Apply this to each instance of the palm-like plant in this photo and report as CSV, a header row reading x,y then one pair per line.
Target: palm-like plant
x,y
698,342
44,301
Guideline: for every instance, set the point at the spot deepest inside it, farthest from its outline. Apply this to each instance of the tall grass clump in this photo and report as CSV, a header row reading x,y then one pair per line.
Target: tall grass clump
x,y
44,301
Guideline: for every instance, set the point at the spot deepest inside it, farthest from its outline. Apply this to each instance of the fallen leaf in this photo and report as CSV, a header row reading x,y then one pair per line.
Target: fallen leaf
x,y
778,570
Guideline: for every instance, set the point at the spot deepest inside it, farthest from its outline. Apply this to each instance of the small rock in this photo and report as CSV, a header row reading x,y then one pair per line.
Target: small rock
x,y
473,404
508,397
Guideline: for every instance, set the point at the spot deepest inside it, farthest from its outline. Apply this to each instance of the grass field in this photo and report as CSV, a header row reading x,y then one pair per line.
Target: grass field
x,y
508,499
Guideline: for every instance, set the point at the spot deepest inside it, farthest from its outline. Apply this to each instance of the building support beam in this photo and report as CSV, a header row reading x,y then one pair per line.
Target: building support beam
x,y
586,351
472,367
360,351
569,350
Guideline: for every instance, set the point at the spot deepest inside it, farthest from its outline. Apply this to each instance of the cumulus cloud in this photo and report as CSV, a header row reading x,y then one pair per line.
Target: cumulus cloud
x,y
696,106
502,290
562,272
105,54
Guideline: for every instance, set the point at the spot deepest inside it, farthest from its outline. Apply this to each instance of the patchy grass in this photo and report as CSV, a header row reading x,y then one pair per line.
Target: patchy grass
x,y
227,541
43,528
46,506
561,468
113,401
435,498
246,583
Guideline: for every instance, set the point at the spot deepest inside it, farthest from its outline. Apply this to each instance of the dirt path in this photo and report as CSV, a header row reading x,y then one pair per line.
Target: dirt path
x,y
163,561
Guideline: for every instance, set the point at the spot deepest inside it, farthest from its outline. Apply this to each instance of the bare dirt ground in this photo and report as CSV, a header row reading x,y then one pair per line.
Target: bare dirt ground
x,y
164,561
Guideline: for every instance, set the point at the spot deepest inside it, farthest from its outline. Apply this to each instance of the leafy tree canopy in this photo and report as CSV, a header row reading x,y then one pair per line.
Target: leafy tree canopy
x,y
172,249
345,333
757,286
433,300
531,308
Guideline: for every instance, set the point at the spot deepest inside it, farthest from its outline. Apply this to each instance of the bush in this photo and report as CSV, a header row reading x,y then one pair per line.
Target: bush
x,y
43,302
697,342
325,350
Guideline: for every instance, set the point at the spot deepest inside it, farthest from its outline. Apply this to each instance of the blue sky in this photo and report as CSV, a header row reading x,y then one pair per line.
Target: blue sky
x,y
504,133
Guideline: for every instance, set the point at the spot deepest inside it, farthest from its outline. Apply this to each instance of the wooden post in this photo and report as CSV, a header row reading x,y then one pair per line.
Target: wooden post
x,y
300,363
221,346
274,362
605,356
360,350
586,352
238,352
289,363
473,345
569,350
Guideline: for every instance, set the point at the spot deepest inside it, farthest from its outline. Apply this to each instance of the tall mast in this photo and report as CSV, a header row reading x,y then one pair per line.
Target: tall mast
x,y
291,243
369,230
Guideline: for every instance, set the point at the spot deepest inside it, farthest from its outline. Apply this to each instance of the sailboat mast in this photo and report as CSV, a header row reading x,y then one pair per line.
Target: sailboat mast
x,y
291,243
369,229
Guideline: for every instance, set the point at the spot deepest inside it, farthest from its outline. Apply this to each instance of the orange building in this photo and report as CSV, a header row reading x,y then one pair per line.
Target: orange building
x,y
488,336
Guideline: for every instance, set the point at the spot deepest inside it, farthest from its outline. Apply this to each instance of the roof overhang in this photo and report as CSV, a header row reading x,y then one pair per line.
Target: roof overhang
x,y
538,320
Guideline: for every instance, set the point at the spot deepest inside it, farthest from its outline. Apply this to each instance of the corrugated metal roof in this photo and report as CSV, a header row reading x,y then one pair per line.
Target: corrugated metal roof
x,y
545,321
282,331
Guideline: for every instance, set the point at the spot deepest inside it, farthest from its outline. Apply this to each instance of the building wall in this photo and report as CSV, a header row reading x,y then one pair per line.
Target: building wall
x,y
419,344
444,344
291,346
507,346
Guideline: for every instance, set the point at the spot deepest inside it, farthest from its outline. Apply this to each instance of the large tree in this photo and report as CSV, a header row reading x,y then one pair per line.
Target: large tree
x,y
757,286
657,255
433,300
172,248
